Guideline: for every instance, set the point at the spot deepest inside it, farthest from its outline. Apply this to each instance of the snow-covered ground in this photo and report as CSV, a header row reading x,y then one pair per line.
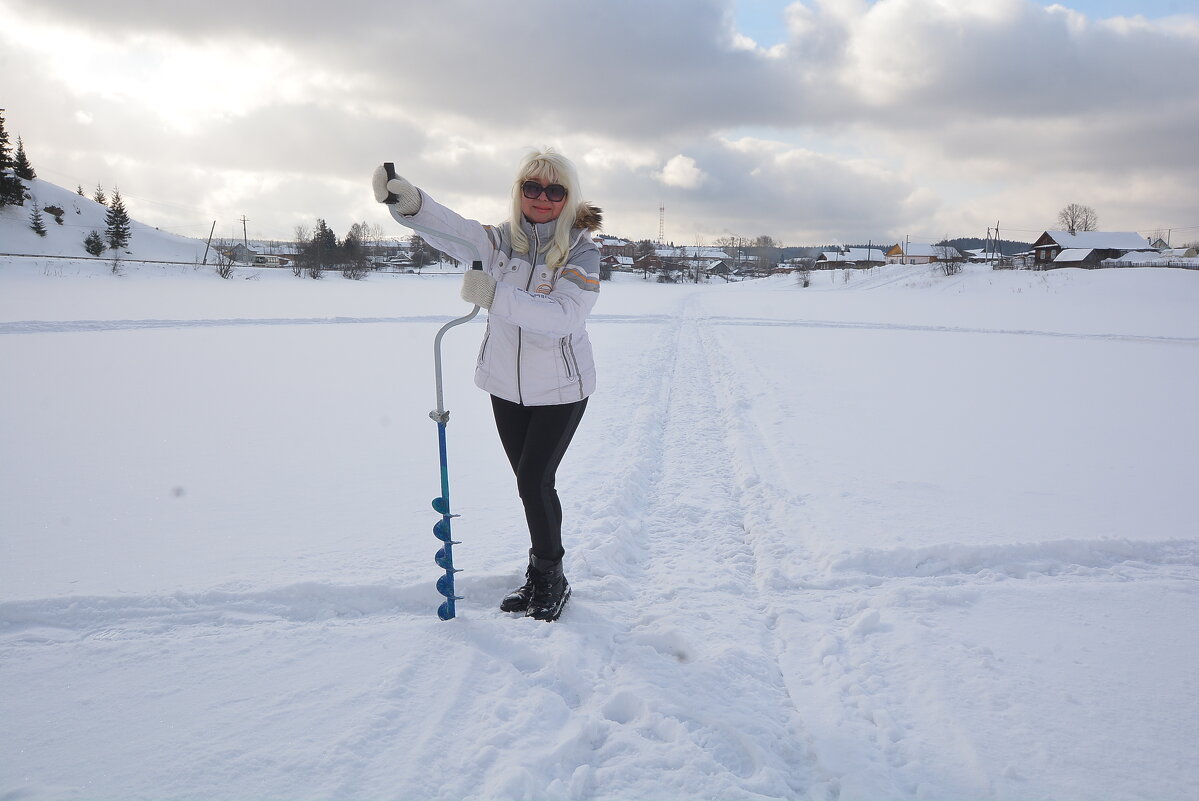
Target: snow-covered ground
x,y
80,216
901,536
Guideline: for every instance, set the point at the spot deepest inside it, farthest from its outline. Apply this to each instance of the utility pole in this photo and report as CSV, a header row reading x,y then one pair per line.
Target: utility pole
x,y
209,244
244,238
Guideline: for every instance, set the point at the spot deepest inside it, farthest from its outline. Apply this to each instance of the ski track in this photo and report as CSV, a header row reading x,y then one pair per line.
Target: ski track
x,y
692,517
943,329
90,326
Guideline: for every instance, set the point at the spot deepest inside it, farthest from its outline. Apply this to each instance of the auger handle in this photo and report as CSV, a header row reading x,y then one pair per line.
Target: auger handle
x,y
390,168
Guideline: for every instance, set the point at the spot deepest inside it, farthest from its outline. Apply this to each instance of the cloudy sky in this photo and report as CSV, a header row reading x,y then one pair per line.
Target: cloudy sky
x,y
812,122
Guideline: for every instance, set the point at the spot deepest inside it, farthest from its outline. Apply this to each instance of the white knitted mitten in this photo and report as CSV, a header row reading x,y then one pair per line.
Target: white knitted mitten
x,y
478,288
409,195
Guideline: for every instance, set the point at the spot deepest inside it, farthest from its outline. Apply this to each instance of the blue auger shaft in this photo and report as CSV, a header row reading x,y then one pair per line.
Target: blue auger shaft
x,y
445,556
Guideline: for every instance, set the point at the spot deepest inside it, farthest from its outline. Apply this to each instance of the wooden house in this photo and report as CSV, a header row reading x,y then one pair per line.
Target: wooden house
x,y
1106,244
921,253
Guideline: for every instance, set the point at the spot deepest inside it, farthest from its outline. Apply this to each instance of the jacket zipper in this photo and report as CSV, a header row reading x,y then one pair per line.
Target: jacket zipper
x,y
483,347
570,344
520,332
565,358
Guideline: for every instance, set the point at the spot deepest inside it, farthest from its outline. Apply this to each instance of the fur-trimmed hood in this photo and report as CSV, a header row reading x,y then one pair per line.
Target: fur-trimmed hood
x,y
589,217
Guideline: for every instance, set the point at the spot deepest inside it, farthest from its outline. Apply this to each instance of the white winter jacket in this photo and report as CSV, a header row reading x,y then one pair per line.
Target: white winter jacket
x,y
535,351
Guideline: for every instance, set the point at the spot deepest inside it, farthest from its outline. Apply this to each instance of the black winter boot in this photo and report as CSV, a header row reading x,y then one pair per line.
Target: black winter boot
x,y
518,599
550,589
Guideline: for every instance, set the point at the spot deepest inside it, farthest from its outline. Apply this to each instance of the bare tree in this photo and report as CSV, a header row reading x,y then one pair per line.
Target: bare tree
x,y
423,254
303,236
224,264
949,259
767,250
354,246
1076,217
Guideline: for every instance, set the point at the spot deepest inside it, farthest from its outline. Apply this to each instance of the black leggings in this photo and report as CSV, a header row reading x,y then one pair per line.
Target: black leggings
x,y
535,439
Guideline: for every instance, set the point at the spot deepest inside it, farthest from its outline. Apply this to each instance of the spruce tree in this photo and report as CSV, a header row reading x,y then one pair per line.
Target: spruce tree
x,y
79,190
94,243
99,197
325,236
11,190
117,220
5,158
326,243
21,164
36,222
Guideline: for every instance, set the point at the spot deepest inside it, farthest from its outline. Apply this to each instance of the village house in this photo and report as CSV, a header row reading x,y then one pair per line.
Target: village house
x,y
687,260
1084,248
851,257
242,254
619,263
615,246
1169,257
693,257
920,253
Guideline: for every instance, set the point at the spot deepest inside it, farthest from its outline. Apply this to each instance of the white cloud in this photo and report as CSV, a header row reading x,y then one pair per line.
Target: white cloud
x,y
682,172
872,117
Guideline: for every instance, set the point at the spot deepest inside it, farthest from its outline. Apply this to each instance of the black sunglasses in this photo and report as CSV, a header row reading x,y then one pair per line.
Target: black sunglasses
x,y
554,193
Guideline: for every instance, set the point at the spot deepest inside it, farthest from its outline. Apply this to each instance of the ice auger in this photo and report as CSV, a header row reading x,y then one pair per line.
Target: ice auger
x,y
441,504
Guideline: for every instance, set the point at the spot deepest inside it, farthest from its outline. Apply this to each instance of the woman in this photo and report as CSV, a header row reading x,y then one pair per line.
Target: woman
x,y
540,280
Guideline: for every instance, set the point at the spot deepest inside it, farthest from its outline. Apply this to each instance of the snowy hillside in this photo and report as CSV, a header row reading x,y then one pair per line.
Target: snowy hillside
x,y
897,537
81,215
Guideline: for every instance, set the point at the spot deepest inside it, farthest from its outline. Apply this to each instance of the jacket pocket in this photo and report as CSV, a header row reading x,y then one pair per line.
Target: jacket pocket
x,y
483,347
565,358
566,346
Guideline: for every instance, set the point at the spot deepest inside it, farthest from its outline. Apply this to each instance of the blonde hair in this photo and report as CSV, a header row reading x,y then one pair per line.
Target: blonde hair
x,y
547,166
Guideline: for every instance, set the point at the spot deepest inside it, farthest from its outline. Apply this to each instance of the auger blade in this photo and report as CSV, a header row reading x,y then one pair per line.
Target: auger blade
x,y
445,586
441,530
445,561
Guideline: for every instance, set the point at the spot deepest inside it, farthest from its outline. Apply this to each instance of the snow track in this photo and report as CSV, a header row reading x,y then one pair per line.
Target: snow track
x,y
693,558
941,329
91,326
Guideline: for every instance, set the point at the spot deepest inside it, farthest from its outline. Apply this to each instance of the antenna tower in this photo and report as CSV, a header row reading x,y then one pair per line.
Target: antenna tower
x,y
661,224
